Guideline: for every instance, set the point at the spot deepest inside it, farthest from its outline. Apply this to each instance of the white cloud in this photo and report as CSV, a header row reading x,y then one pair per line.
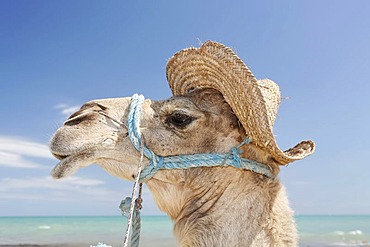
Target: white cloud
x,y
23,147
15,160
80,181
59,106
66,109
47,182
47,188
15,152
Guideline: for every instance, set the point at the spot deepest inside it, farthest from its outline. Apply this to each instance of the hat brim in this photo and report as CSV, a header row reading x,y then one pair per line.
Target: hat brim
x,y
216,66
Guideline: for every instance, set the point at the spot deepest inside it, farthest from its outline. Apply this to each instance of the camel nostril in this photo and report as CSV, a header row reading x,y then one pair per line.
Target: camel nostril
x,y
75,114
73,122
75,119
84,112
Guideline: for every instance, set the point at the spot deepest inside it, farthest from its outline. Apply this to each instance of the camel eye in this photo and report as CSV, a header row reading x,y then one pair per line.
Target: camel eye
x,y
179,119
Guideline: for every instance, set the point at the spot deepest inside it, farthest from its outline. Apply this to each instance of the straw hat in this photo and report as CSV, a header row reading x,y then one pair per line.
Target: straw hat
x,y
254,102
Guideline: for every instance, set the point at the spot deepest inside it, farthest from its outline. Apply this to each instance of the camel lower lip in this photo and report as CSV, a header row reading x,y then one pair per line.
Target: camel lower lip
x,y
71,163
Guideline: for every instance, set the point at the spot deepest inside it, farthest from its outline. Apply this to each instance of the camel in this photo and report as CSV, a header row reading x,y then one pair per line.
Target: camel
x,y
209,206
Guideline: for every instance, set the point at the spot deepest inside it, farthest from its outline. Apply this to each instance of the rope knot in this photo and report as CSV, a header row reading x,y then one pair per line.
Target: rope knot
x,y
235,151
235,156
138,203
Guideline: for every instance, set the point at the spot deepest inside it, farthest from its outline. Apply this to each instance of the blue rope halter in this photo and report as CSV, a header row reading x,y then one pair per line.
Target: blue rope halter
x,y
185,161
131,208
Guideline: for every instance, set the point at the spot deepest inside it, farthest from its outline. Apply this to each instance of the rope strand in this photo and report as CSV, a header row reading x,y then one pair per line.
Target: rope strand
x,y
135,207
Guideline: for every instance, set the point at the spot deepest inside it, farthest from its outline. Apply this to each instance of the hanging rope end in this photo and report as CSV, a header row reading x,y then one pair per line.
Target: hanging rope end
x,y
125,206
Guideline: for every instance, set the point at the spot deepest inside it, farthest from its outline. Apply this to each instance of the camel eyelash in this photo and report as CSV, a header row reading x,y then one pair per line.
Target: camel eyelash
x,y
179,119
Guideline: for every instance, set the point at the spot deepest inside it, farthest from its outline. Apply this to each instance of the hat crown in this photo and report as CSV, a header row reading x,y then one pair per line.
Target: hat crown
x,y
254,102
271,95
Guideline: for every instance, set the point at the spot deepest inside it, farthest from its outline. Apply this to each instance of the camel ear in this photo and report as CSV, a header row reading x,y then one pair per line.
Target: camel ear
x,y
69,166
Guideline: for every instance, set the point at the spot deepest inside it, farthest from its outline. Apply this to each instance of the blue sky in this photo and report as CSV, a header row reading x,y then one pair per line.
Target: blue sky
x,y
56,55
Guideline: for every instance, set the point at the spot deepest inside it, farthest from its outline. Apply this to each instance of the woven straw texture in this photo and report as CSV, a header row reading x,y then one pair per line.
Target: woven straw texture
x,y
254,102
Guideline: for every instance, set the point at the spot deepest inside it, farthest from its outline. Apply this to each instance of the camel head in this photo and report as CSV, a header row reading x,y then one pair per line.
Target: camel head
x,y
199,122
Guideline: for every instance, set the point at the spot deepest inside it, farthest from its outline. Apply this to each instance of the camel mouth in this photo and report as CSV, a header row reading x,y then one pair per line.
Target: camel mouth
x,y
65,156
59,156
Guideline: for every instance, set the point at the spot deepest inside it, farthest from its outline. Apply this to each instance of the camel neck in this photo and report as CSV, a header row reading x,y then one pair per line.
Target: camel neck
x,y
224,206
223,212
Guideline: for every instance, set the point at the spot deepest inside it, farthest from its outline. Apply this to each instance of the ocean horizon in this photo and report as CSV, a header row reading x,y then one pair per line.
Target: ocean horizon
x,y
314,230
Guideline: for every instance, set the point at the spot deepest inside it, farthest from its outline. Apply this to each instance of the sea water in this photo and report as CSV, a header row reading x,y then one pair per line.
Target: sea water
x,y
157,230
82,231
334,230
